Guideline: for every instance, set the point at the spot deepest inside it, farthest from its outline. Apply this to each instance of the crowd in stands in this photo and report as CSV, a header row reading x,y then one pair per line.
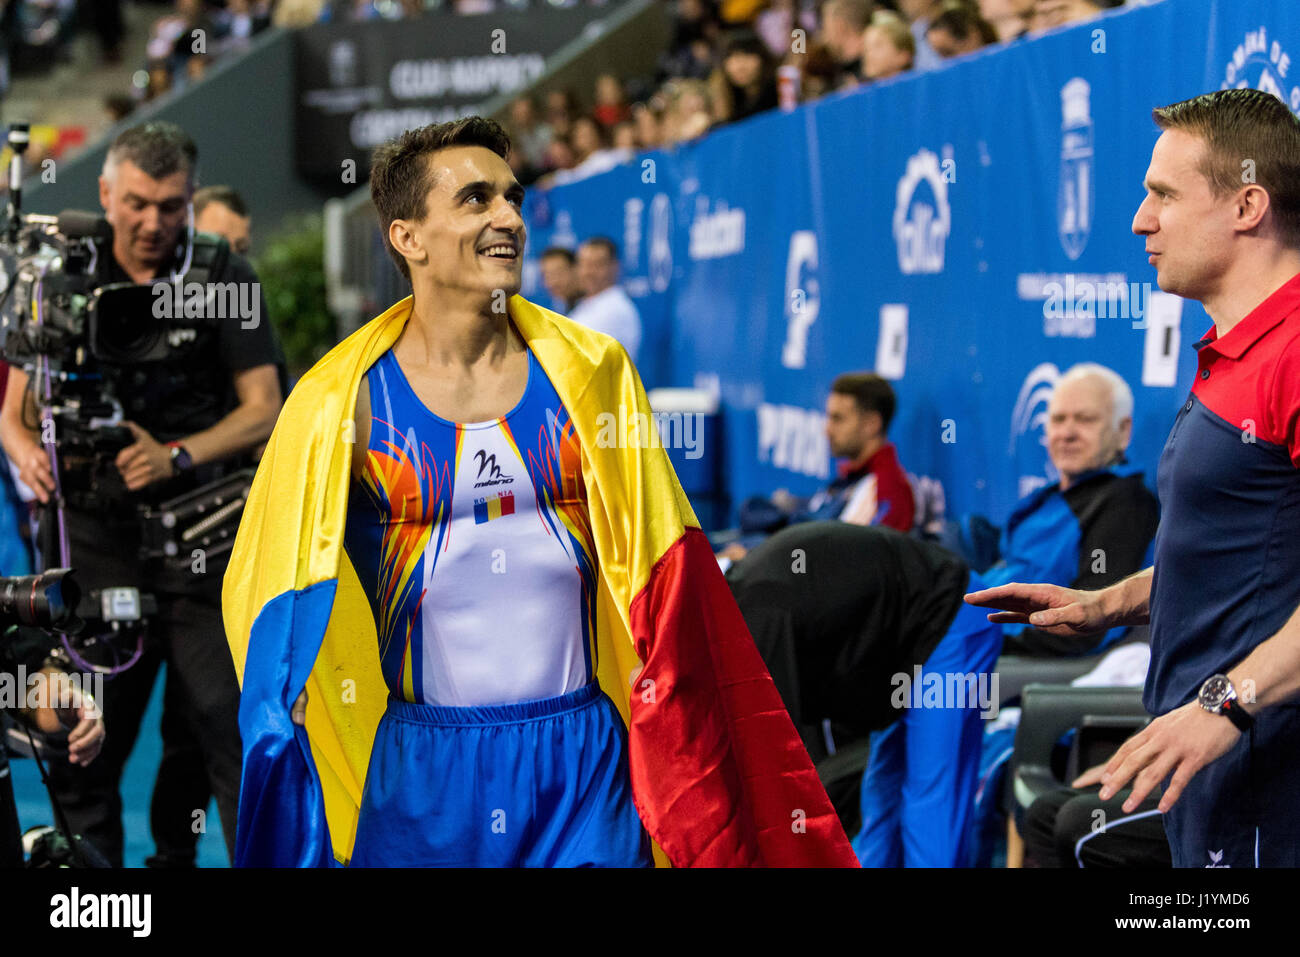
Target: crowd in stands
x,y
723,60
726,60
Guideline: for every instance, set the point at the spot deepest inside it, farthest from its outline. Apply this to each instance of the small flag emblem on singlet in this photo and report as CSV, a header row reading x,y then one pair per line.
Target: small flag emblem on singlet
x,y
486,509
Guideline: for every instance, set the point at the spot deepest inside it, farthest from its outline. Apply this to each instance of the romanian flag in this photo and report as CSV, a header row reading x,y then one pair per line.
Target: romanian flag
x,y
489,508
719,775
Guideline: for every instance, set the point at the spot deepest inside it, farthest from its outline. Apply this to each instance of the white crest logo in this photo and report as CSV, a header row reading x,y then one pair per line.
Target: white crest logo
x,y
632,209
1262,65
661,242
1030,416
343,63
1074,198
802,297
921,223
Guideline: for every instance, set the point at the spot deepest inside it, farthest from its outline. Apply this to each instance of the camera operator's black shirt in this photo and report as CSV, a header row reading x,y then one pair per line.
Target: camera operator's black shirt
x,y
173,399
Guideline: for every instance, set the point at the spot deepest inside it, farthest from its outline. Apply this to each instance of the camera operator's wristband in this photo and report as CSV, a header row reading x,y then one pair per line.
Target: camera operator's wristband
x,y
181,459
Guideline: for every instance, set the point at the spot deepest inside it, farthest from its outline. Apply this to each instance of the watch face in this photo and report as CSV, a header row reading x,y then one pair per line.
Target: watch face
x,y
1215,691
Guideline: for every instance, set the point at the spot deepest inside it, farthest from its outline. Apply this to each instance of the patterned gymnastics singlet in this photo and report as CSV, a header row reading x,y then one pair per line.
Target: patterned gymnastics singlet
x,y
474,545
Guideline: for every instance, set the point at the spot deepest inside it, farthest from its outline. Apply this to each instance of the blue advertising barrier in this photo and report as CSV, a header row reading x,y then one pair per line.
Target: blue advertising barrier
x,y
964,232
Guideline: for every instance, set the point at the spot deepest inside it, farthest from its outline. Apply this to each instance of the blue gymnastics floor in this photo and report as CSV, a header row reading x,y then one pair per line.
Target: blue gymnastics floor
x,y
137,786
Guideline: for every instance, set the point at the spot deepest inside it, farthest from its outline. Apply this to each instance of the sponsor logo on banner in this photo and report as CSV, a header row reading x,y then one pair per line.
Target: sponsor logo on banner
x,y
1029,421
922,216
1262,64
802,297
718,233
660,250
891,344
564,234
793,438
1074,198
343,63
632,209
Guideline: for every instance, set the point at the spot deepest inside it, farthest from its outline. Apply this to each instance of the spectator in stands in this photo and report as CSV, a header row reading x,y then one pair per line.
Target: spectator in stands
x,y
118,106
688,115
611,101
237,24
160,80
745,83
871,487
182,41
356,10
623,138
958,29
561,110
1096,525
560,278
777,23
524,172
690,52
591,153
299,13
888,47
559,158
528,133
818,69
605,307
1055,13
1010,18
165,33
221,210
589,141
843,24
920,14
106,16
646,122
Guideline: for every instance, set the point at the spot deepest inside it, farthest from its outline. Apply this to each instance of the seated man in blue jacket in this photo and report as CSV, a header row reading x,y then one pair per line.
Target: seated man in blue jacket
x,y
1096,525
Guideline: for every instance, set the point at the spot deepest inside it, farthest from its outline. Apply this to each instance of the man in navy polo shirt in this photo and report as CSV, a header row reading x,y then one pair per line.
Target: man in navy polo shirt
x,y
1222,224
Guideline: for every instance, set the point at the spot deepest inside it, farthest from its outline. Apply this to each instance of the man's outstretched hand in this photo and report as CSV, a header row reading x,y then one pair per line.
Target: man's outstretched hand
x,y
1050,608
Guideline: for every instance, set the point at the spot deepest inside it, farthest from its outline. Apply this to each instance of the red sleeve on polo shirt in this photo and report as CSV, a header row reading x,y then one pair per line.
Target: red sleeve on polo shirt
x,y
1283,409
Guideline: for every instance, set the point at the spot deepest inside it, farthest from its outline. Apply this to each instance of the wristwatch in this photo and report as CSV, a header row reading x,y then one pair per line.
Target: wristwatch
x,y
181,459
1218,696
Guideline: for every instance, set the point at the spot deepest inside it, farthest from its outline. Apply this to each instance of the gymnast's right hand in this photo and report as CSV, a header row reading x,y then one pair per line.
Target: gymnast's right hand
x,y
299,713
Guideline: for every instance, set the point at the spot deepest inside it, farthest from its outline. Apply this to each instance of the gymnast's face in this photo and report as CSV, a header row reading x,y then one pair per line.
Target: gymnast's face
x,y
471,239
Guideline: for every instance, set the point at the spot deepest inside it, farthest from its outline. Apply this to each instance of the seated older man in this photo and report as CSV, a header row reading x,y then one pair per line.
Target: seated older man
x,y
1096,525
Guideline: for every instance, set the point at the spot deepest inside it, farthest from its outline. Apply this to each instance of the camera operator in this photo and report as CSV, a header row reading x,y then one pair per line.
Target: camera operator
x,y
30,649
193,419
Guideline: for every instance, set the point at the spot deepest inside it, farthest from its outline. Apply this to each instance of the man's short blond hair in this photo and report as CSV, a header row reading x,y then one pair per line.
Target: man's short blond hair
x,y
896,29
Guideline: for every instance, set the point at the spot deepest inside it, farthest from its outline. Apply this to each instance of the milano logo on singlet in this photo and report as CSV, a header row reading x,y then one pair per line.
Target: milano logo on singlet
x,y
487,465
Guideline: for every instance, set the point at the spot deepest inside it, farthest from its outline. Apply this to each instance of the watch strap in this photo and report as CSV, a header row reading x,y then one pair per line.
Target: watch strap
x,y
1234,712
